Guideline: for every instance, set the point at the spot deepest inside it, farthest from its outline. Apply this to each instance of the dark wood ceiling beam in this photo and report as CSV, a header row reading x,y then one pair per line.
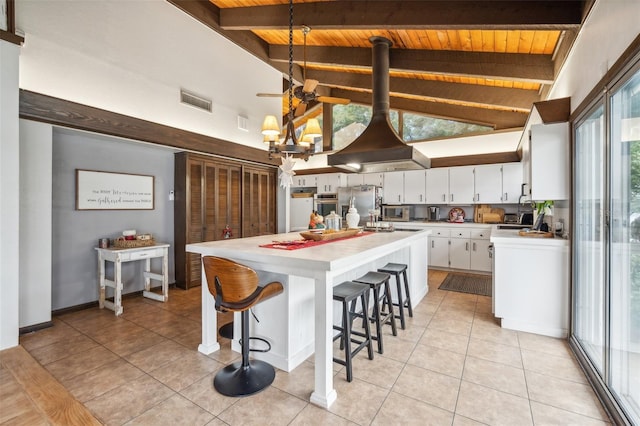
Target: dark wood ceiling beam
x,y
487,95
533,15
498,119
509,66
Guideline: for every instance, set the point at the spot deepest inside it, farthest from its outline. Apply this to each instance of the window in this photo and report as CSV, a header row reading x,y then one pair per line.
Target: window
x,y
416,127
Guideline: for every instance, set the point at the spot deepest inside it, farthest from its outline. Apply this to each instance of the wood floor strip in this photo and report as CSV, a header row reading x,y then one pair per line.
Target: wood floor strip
x,y
50,397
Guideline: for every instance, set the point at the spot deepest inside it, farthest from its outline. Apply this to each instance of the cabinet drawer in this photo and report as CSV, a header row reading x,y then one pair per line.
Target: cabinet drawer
x,y
440,232
142,254
480,234
460,233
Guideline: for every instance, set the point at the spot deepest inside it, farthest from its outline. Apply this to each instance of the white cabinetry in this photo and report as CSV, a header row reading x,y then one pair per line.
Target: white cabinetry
x,y
354,179
480,258
301,181
415,182
461,185
437,190
548,162
393,192
329,183
439,248
511,182
488,184
373,179
460,249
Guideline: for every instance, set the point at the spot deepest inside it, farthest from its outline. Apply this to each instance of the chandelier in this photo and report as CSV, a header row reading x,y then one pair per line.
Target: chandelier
x,y
290,145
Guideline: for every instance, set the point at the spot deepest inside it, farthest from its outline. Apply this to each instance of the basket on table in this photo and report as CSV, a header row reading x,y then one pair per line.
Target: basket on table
x,y
123,243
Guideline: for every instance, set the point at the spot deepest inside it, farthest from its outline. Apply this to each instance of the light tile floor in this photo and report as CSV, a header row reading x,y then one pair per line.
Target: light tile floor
x,y
453,365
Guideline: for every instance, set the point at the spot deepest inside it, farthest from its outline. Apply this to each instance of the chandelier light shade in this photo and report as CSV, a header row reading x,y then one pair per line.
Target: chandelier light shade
x,y
270,129
313,129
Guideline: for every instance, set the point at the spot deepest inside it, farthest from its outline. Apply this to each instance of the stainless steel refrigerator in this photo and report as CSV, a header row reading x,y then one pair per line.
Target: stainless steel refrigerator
x,y
365,197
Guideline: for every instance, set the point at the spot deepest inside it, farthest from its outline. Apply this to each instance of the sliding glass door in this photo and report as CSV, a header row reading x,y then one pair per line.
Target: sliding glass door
x,y
624,276
606,241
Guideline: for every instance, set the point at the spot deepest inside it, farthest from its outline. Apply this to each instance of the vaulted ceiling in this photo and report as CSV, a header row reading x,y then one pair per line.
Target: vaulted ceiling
x,y
483,62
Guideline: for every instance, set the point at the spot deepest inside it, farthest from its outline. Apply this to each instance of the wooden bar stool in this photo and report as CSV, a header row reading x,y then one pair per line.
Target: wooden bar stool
x,y
235,288
346,293
396,269
376,280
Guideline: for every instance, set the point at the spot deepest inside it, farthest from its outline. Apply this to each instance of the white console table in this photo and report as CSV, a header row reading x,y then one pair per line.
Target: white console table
x,y
121,255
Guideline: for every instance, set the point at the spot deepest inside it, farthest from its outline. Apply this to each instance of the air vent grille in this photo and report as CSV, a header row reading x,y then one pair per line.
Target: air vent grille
x,y
195,100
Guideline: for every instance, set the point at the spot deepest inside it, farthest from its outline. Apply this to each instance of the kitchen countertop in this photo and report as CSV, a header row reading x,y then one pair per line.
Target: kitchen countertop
x,y
511,236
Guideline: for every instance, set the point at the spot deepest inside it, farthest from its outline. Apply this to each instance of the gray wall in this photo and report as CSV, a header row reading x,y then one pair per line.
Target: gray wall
x,y
76,233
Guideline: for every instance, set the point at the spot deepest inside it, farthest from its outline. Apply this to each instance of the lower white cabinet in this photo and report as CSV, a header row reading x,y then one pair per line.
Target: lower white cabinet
x,y
460,248
480,258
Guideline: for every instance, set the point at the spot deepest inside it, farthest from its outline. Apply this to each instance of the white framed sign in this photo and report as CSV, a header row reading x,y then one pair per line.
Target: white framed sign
x,y
113,191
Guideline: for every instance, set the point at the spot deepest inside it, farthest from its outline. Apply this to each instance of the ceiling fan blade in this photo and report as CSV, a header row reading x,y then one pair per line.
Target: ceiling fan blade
x,y
332,100
300,110
309,85
269,95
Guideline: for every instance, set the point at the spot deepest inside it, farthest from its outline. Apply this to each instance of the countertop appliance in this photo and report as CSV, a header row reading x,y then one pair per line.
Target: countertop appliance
x,y
434,213
366,197
396,213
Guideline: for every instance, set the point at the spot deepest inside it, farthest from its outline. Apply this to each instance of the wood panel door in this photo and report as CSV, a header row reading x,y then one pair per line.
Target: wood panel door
x,y
258,201
207,199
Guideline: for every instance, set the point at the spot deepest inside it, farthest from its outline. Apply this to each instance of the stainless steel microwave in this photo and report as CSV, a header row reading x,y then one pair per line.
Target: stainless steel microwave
x,y
396,213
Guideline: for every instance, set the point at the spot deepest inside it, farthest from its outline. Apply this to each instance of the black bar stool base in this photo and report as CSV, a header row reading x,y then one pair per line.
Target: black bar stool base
x,y
236,380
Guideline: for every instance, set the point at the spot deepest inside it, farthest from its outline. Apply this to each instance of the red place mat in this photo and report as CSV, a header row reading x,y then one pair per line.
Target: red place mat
x,y
299,244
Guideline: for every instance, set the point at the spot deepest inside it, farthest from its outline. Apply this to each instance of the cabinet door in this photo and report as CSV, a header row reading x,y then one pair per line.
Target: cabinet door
x,y
460,253
191,270
511,182
549,153
373,179
221,200
304,181
461,185
393,188
354,179
329,183
415,186
439,252
437,191
488,184
480,260
258,202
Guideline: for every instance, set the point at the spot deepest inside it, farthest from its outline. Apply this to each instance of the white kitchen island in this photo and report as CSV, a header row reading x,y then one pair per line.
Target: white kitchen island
x,y
299,322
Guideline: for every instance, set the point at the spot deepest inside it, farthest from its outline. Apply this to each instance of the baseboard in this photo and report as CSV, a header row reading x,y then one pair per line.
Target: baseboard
x,y
35,327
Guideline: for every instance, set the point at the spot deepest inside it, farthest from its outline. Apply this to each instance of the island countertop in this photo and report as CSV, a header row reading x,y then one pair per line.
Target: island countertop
x,y
299,323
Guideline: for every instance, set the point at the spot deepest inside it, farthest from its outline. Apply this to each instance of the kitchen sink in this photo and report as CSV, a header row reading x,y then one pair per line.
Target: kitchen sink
x,y
512,226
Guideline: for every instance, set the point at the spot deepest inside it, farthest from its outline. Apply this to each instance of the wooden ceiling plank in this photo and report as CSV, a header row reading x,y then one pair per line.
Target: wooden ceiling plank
x,y
542,14
515,66
506,97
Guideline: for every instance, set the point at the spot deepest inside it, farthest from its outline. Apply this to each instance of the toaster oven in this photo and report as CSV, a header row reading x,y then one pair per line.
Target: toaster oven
x,y
396,213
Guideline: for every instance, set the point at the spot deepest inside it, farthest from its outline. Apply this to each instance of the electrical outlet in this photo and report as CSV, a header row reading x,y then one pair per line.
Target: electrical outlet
x,y
171,195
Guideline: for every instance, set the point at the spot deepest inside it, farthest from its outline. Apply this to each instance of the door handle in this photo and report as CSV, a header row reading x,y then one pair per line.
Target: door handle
x,y
432,244
474,246
466,246
506,196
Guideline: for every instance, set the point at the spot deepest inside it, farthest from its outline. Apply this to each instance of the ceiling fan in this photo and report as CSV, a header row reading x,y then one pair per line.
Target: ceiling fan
x,y
307,92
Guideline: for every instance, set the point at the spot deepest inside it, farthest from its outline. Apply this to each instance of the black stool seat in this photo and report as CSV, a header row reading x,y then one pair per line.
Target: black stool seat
x,y
376,280
396,269
346,293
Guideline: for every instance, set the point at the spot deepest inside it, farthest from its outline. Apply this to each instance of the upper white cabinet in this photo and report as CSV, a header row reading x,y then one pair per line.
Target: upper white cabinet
x,y
376,179
328,183
437,188
415,186
511,182
488,184
393,188
461,185
548,162
354,179
301,181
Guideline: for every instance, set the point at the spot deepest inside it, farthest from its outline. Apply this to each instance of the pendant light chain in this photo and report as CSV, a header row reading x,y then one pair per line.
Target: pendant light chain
x,y
290,60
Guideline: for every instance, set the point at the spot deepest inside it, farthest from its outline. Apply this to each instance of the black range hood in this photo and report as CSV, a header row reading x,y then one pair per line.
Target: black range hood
x,y
379,148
